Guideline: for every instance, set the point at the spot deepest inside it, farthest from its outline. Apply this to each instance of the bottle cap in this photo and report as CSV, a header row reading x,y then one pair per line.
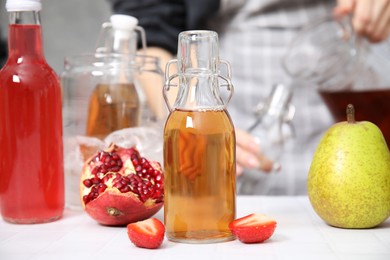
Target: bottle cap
x,y
123,24
23,5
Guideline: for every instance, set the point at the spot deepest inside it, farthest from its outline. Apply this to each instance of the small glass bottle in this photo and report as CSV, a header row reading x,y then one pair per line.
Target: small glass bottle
x,y
31,168
273,130
273,126
199,146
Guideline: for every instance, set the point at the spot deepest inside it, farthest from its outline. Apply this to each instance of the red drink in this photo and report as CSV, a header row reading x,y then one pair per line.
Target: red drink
x,y
31,164
370,105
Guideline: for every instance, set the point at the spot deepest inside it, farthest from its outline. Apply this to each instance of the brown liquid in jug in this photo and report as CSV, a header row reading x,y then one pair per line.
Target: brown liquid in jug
x,y
199,177
112,107
370,105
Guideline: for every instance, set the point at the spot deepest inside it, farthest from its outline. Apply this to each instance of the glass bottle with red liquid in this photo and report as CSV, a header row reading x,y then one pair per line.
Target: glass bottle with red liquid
x,y
31,168
199,146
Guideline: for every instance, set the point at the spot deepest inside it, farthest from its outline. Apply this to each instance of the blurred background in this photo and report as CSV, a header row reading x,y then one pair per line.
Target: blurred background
x,y
69,27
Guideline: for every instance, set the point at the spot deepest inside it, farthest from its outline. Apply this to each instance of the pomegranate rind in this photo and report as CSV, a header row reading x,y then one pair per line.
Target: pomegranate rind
x,y
118,209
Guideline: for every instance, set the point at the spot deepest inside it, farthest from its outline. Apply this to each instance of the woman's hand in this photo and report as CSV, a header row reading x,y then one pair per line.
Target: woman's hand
x,y
370,18
248,154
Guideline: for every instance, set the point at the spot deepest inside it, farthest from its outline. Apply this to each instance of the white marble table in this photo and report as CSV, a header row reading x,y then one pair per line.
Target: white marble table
x,y
300,234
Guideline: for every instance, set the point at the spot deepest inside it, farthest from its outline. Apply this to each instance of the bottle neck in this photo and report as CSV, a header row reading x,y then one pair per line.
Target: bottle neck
x,y
124,44
198,92
198,67
25,36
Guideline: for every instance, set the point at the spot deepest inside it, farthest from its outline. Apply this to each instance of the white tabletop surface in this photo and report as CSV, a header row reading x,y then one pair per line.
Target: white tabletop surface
x,y
300,234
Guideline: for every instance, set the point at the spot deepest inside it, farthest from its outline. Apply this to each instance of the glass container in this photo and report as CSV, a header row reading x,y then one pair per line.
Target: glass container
x,y
31,168
106,94
199,145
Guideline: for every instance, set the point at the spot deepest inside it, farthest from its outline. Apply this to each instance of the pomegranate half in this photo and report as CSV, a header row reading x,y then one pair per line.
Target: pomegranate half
x,y
119,187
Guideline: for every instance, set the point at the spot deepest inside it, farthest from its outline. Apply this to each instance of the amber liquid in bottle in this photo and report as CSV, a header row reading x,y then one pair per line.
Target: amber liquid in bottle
x,y
112,107
199,168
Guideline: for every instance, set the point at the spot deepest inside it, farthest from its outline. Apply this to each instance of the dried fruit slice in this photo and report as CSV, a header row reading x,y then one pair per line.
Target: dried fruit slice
x,y
147,233
254,228
118,186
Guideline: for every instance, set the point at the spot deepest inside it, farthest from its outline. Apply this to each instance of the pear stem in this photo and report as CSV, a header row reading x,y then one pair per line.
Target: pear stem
x,y
350,114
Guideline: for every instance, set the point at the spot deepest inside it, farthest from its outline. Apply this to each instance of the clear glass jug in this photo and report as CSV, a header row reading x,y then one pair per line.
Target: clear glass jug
x,y
344,68
106,92
199,145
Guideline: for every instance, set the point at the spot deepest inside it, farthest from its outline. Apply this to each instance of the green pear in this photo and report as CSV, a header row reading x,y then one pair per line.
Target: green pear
x,y
349,177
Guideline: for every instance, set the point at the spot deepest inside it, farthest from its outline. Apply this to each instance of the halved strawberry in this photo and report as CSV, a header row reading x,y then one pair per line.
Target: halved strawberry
x,y
148,233
254,228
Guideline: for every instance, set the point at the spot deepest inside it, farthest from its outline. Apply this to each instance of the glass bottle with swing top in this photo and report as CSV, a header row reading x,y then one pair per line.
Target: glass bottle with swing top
x,y
199,145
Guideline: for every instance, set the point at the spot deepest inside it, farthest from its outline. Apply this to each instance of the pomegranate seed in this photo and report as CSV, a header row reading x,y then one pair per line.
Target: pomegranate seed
x,y
106,160
115,169
101,188
87,183
85,199
95,180
118,185
112,163
106,177
94,171
125,189
103,169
